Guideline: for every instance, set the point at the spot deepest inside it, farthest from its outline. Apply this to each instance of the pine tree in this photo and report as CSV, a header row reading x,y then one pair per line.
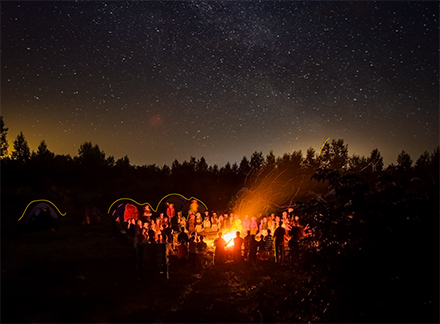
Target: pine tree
x,y
21,152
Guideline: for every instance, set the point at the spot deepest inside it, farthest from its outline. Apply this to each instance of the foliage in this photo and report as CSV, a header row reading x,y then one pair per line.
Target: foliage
x,y
21,152
3,141
369,234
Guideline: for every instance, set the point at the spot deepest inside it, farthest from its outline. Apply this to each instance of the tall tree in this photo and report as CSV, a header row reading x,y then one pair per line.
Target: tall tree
x,y
257,161
202,166
43,152
3,141
297,159
21,152
357,162
244,167
423,161
91,155
376,160
404,161
270,159
339,154
311,162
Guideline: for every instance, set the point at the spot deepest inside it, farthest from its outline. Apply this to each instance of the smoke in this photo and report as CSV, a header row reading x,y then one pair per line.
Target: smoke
x,y
273,189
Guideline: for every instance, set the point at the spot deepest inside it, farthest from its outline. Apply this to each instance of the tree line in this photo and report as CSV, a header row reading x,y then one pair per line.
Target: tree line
x,y
94,177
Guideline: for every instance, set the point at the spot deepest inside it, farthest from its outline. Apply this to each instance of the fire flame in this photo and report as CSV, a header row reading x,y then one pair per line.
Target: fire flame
x,y
229,238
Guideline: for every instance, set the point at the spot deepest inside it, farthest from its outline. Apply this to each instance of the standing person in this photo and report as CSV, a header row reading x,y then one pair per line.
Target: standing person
x,y
296,233
268,240
246,223
225,221
206,223
182,248
207,216
174,221
214,223
161,219
152,232
147,213
279,237
191,223
264,226
254,226
192,247
183,222
221,221
246,243
201,251
170,210
194,207
277,222
199,223
271,223
168,238
238,243
182,236
219,253
253,248
237,224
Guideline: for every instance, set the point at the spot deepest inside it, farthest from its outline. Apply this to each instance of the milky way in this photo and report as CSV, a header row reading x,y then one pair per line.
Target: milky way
x,y
159,81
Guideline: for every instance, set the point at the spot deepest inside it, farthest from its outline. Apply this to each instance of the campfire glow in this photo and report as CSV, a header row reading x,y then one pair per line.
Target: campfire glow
x,y
228,237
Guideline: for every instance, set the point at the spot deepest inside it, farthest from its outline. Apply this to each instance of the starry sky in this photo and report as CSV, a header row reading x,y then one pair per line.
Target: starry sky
x,y
165,80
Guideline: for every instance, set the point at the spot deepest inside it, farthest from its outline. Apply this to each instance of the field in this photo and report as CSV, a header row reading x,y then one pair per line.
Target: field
x,y
83,274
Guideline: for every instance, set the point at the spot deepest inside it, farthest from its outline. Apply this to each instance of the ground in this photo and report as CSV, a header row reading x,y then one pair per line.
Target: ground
x,y
83,274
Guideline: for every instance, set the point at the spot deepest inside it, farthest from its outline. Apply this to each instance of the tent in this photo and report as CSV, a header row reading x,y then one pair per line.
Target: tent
x,y
43,215
125,211
42,207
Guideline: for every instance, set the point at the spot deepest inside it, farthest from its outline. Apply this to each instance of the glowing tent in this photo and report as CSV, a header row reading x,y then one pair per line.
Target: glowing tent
x,y
126,211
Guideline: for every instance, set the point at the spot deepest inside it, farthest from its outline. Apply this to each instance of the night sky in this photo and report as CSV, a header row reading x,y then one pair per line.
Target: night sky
x,y
159,81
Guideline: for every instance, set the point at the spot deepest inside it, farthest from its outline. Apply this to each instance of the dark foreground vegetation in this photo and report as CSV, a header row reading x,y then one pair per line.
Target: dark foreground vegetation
x,y
373,255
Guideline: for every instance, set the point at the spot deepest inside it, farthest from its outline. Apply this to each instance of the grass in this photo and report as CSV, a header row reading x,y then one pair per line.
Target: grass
x,y
82,274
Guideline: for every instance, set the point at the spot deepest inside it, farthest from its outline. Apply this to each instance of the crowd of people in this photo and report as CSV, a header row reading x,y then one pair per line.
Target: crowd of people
x,y
266,236
287,233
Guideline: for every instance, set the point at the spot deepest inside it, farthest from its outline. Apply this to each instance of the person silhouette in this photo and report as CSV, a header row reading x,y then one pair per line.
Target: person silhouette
x,y
219,253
